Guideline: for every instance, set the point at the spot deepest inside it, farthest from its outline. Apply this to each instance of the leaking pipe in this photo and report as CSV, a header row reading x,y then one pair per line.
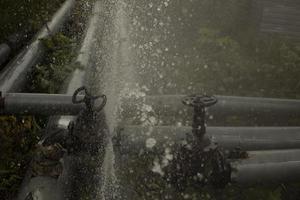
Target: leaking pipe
x,y
88,44
250,110
134,138
83,60
14,75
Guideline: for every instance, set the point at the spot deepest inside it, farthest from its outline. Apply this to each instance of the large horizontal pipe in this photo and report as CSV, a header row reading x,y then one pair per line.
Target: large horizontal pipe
x,y
265,173
264,167
271,156
246,111
39,104
132,138
14,75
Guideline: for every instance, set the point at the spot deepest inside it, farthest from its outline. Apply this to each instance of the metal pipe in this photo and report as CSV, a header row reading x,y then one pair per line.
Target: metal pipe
x,y
90,39
12,44
265,173
83,59
72,163
89,132
229,110
14,74
264,167
17,40
271,156
132,138
76,81
44,188
39,104
5,51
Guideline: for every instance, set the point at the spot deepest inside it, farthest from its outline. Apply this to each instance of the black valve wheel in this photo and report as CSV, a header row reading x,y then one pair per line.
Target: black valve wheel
x,y
199,100
88,99
75,99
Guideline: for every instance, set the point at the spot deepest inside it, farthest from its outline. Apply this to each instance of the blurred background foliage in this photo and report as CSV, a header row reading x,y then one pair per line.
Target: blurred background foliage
x,y
241,59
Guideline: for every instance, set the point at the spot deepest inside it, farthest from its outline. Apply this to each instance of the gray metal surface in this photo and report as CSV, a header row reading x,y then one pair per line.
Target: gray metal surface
x,y
86,50
39,104
245,110
70,162
271,156
12,44
42,188
77,78
13,76
134,138
4,53
266,173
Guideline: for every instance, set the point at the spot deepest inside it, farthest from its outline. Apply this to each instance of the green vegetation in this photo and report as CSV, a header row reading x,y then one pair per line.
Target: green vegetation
x,y
241,60
19,15
18,136
49,75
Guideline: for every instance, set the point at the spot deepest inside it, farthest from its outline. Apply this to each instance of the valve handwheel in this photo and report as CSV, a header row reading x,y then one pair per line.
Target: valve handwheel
x,y
199,100
88,99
